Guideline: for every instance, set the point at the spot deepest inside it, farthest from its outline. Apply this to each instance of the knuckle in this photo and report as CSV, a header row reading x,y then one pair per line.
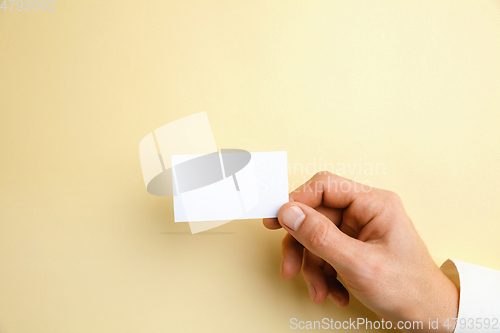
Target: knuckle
x,y
321,180
323,176
394,197
391,200
319,239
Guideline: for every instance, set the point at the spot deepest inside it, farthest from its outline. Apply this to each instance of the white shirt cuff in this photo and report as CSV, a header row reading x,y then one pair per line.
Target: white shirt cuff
x,y
479,305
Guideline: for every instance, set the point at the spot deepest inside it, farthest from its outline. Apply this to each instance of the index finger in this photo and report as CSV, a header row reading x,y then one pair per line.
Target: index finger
x,y
330,190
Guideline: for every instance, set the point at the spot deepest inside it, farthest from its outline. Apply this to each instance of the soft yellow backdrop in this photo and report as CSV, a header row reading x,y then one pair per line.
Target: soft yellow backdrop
x,y
411,86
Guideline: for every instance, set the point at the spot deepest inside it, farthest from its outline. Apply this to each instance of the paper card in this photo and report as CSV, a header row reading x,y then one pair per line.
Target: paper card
x,y
257,190
235,190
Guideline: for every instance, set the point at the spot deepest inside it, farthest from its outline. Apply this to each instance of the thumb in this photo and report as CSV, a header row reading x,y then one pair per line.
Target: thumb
x,y
318,234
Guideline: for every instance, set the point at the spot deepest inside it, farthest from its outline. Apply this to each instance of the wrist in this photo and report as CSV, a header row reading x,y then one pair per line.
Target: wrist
x,y
447,302
436,305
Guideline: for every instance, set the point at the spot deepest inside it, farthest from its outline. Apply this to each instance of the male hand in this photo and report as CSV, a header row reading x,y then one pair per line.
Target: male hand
x,y
339,228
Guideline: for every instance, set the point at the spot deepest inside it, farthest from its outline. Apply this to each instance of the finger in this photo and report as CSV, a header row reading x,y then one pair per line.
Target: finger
x,y
336,290
271,223
357,217
329,189
333,214
318,234
292,257
361,203
313,273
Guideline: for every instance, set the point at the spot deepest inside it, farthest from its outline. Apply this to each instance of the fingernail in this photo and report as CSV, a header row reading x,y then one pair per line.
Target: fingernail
x,y
293,217
312,291
281,266
336,299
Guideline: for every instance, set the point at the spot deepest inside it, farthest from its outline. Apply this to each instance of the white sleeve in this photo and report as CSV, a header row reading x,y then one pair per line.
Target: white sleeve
x,y
479,305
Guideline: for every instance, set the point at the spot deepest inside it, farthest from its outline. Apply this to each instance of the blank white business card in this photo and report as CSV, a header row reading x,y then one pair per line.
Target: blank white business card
x,y
257,190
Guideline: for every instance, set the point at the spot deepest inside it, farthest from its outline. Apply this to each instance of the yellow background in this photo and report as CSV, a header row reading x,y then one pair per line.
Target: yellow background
x,y
84,248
